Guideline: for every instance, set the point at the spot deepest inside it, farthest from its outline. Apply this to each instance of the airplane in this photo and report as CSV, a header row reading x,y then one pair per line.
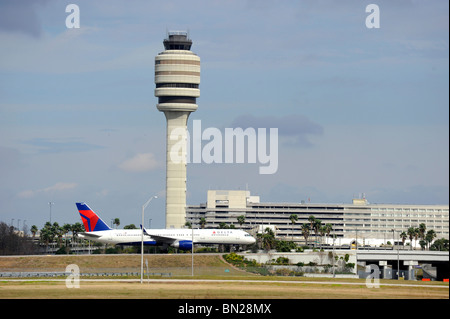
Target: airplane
x,y
98,230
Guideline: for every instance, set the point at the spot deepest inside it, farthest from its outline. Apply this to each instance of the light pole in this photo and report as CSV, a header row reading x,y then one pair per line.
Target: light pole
x,y
50,204
192,259
334,238
398,254
142,237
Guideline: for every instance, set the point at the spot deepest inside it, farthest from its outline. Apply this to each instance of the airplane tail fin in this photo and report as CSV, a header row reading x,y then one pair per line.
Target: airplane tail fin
x,y
90,219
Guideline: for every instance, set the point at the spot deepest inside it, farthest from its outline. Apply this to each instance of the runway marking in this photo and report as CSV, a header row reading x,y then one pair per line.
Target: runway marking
x,y
231,281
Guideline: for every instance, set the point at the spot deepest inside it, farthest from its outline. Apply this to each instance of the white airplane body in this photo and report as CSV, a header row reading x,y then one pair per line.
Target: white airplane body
x,y
97,230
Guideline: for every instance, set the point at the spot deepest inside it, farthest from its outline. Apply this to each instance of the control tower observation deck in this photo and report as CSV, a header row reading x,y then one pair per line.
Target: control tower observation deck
x,y
177,79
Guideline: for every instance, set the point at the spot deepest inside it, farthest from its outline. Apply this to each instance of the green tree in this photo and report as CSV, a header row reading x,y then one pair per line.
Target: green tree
x,y
403,236
312,221
416,234
317,226
202,222
411,233
422,229
58,233
47,235
328,228
423,244
322,232
76,228
429,237
34,230
440,245
65,230
116,222
241,220
12,243
285,246
293,219
268,239
305,231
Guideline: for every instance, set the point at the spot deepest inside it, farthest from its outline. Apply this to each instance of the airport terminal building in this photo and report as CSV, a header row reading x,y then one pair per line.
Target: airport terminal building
x,y
369,224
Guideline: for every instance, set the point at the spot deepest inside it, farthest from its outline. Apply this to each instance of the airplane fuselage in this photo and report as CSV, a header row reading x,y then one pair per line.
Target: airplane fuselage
x,y
152,236
98,230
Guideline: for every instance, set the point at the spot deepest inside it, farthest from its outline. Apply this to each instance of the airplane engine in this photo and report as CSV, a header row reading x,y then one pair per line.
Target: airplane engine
x,y
183,244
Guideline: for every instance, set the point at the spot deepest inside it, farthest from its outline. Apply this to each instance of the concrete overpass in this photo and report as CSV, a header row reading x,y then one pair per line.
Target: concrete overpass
x,y
435,264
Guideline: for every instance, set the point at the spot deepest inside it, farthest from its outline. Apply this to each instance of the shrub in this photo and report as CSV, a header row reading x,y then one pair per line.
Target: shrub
x,y
234,258
282,261
283,272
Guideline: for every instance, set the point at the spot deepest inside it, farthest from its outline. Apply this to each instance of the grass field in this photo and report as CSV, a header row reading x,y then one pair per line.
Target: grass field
x,y
177,264
215,290
230,284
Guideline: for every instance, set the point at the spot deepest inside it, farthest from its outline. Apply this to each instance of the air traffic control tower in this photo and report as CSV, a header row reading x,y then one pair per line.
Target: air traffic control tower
x,y
177,79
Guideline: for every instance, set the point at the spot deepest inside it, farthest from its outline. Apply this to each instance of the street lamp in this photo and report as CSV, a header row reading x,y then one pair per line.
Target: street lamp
x,y
398,254
50,204
142,237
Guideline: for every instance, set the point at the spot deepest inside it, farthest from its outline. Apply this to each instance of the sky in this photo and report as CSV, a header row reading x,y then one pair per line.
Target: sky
x,y
360,111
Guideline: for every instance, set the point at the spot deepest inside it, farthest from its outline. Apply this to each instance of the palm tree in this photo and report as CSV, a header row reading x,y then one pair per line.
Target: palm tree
x,y
311,220
431,234
317,226
403,236
116,222
293,219
305,230
411,233
76,228
241,220
34,230
66,229
268,239
188,225
422,230
58,231
416,234
47,234
328,229
202,222
322,231
222,225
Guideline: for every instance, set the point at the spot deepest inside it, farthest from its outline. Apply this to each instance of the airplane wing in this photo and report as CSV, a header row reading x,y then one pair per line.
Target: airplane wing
x,y
91,235
160,239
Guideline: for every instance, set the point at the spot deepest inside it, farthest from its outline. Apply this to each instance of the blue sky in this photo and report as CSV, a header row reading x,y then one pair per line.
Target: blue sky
x,y
358,110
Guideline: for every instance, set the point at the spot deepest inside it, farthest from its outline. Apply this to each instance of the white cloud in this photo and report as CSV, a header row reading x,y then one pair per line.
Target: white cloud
x,y
55,188
142,162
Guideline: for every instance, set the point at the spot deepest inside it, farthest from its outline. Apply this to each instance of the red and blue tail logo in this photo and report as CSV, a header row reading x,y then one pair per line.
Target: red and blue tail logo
x,y
90,219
